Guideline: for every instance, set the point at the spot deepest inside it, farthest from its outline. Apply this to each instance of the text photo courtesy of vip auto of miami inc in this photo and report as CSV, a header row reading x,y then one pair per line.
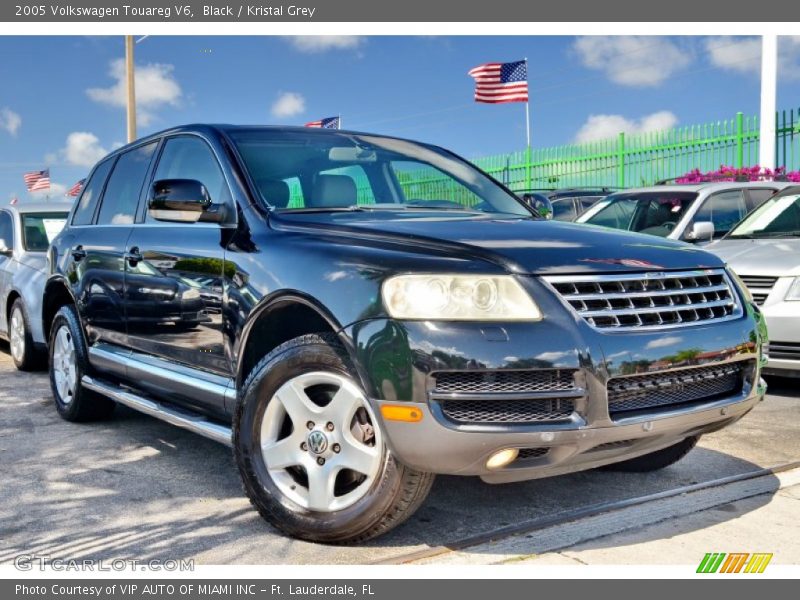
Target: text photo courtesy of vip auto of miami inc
x,y
523,301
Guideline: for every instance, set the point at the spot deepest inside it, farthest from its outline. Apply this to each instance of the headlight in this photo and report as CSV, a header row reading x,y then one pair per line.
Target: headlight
x,y
748,296
191,294
458,298
794,291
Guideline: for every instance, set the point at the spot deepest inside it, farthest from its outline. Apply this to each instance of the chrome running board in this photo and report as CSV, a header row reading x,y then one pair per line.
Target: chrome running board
x,y
190,421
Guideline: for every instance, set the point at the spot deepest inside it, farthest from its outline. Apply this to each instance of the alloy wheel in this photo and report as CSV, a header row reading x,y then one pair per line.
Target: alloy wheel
x,y
16,335
64,368
320,442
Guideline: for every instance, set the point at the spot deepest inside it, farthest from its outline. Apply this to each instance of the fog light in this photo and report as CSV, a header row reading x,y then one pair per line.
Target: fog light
x,y
501,458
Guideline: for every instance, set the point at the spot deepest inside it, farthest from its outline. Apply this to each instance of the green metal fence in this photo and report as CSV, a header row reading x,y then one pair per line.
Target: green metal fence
x,y
624,161
643,159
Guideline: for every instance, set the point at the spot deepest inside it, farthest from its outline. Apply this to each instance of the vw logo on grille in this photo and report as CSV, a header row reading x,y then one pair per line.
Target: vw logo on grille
x,y
317,442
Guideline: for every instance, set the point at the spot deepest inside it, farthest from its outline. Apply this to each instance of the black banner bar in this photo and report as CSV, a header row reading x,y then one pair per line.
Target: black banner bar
x,y
405,11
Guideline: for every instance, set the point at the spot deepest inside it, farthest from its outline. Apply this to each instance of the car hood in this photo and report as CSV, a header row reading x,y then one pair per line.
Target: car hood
x,y
774,257
519,245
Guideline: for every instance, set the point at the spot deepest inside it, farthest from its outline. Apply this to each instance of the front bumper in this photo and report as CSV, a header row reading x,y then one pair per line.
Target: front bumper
x,y
398,361
783,324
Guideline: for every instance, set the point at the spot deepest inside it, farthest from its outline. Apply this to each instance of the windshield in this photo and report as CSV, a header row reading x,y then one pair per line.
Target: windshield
x,y
777,217
656,213
309,171
39,229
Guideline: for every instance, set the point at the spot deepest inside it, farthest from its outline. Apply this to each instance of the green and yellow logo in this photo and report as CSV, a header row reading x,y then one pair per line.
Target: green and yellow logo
x,y
734,562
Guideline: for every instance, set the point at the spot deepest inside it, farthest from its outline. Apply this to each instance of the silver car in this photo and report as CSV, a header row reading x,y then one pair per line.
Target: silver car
x,y
25,234
696,213
764,251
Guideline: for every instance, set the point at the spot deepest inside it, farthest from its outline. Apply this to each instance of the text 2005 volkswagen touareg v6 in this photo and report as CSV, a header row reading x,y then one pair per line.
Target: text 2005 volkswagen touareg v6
x,y
356,313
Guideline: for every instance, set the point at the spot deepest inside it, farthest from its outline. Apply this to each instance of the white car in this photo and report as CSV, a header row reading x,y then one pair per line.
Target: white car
x,y
764,251
696,213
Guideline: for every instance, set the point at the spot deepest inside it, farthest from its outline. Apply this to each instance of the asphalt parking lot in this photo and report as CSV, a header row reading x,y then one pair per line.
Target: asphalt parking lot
x,y
134,487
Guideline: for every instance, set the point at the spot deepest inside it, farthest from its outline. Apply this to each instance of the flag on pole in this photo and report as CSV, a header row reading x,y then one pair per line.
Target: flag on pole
x,y
329,123
75,189
496,83
37,180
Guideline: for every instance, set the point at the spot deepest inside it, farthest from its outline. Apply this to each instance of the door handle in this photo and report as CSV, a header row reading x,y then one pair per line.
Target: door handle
x,y
133,256
78,253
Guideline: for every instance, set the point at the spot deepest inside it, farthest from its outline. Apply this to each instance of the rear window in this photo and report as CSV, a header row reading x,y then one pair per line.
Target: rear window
x,y
39,229
655,213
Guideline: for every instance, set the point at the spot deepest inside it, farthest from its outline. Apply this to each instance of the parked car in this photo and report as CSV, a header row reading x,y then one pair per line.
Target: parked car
x,y
693,212
25,233
380,331
570,203
764,251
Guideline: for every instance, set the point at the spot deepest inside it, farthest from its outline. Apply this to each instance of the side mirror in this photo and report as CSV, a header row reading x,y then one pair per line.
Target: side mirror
x,y
183,201
5,249
540,204
702,231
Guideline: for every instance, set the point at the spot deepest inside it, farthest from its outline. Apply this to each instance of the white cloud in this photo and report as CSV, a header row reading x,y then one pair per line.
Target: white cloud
x,y
637,61
155,84
82,149
322,43
600,127
10,121
789,57
57,190
738,54
288,104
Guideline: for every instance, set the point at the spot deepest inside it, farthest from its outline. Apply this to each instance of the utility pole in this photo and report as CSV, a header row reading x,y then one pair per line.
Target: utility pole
x,y
129,76
769,85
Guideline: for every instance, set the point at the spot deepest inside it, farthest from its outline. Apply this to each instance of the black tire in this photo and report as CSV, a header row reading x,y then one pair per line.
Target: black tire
x,y
396,492
81,404
655,460
31,358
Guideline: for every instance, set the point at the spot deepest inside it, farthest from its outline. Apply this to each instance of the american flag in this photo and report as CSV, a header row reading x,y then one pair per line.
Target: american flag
x,y
496,83
329,123
75,189
37,180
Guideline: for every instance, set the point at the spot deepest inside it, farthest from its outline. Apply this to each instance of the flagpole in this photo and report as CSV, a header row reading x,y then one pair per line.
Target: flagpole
x,y
528,127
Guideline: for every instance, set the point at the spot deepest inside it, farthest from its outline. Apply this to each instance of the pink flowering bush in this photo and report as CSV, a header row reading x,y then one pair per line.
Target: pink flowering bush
x,y
728,173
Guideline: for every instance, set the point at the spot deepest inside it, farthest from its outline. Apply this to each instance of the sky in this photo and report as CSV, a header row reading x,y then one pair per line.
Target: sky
x,y
62,99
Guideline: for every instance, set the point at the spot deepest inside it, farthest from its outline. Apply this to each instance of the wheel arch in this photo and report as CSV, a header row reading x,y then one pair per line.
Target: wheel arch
x,y
57,293
281,317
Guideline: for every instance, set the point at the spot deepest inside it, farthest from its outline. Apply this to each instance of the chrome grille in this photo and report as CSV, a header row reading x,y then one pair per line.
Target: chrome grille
x,y
671,388
649,300
507,381
783,350
759,286
507,411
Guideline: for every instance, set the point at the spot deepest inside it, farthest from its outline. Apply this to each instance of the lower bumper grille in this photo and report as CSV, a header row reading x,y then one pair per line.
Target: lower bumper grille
x,y
505,397
514,412
674,388
784,350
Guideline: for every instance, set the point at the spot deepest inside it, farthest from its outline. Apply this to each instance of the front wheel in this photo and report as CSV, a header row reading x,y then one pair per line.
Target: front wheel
x,y
311,451
24,353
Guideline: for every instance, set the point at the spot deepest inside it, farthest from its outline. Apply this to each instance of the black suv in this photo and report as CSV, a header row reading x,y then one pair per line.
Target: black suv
x,y
354,313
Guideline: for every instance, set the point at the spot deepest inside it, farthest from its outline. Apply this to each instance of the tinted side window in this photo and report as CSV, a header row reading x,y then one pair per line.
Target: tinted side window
x,y
6,228
564,209
757,197
189,157
124,186
724,210
84,211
